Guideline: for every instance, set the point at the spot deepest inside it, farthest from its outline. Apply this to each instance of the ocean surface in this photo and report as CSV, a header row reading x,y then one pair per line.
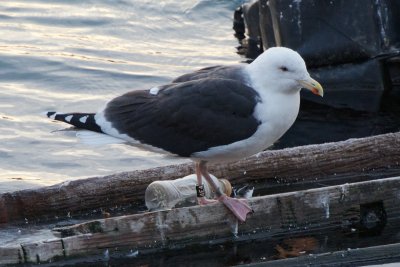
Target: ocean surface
x,y
74,55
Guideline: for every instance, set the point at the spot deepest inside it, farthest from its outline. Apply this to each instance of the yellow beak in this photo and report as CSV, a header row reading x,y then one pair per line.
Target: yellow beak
x,y
313,86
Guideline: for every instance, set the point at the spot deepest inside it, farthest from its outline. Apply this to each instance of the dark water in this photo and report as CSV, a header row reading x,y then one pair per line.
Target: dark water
x,y
74,55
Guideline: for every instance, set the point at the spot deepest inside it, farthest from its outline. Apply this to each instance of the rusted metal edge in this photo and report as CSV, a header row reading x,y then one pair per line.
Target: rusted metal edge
x,y
281,214
350,257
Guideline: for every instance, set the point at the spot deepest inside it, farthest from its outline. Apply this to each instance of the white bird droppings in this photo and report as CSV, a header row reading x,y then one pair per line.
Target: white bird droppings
x,y
133,254
320,201
106,254
326,207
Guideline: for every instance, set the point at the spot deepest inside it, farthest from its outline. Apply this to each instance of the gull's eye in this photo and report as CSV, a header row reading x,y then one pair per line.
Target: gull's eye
x,y
283,68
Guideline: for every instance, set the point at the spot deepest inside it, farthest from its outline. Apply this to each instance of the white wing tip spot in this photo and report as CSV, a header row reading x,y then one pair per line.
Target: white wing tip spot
x,y
83,119
68,118
154,90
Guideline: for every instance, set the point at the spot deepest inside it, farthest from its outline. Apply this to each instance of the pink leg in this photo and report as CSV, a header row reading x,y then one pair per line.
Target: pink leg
x,y
239,207
202,200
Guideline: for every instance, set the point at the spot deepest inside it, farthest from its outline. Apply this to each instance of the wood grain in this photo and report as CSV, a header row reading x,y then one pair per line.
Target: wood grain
x,y
324,208
313,163
282,215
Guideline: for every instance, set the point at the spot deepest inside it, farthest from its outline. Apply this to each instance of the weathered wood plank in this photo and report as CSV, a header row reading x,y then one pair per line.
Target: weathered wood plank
x,y
11,255
281,214
149,230
307,163
322,208
43,251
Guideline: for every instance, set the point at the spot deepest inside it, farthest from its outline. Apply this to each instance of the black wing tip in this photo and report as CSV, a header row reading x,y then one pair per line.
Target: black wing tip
x,y
49,114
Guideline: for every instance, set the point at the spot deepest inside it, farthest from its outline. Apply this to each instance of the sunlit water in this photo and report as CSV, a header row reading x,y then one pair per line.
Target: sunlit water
x,y
74,55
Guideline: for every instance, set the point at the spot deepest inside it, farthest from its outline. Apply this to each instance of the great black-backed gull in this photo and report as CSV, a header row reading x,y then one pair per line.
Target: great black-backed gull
x,y
216,114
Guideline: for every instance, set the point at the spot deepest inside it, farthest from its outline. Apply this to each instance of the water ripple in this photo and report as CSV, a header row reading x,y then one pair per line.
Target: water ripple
x,y
75,55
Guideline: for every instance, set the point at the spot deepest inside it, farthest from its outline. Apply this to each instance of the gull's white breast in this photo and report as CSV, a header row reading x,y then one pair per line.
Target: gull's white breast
x,y
276,112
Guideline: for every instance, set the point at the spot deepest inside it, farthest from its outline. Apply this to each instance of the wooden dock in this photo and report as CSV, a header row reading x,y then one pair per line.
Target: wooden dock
x,y
351,186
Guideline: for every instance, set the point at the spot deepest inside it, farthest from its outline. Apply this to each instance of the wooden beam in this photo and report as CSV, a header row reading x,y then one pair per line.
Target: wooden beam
x,y
281,214
11,255
321,163
43,250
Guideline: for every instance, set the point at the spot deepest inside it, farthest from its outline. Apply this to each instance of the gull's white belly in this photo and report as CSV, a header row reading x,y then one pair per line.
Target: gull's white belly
x,y
276,115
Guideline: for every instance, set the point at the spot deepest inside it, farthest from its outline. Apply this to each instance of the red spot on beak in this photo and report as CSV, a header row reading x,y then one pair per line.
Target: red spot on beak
x,y
315,91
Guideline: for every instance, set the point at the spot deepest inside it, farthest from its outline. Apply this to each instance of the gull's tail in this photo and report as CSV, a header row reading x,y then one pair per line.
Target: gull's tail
x,y
91,134
85,121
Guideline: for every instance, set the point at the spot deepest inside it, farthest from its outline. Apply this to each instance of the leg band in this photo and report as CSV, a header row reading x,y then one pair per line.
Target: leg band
x,y
200,191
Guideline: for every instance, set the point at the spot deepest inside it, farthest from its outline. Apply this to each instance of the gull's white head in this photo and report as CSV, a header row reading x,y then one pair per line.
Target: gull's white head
x,y
283,70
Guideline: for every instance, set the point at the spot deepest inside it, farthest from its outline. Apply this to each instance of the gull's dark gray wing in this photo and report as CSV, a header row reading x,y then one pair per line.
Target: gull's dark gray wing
x,y
187,117
216,72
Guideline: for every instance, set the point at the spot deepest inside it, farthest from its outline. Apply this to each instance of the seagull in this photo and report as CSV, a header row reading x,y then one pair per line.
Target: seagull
x,y
216,114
